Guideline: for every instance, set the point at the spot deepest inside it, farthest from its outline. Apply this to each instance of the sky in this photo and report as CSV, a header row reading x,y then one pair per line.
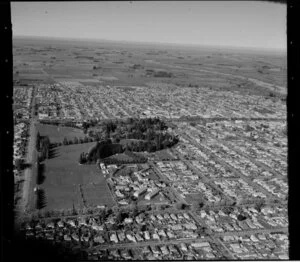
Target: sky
x,y
251,24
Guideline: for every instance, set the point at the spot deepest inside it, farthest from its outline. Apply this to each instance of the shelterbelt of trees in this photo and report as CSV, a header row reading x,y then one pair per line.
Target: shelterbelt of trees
x,y
138,135
43,146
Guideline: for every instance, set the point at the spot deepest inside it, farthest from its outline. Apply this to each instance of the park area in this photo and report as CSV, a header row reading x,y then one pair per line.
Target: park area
x,y
67,184
58,133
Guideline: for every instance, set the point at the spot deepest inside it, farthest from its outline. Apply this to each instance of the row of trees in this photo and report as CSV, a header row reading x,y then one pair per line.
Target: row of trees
x,y
40,199
76,140
40,176
112,161
100,213
20,164
73,141
158,141
43,146
130,125
60,123
121,127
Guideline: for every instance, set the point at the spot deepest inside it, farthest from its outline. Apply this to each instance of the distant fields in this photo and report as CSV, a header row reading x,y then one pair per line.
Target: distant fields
x,y
64,175
102,63
57,133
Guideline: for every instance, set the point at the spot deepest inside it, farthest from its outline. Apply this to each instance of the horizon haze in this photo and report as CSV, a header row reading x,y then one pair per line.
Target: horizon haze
x,y
249,24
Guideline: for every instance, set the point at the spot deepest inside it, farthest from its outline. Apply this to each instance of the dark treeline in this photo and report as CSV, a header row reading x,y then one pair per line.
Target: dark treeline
x,y
40,176
150,132
40,198
101,150
60,123
43,146
158,73
20,164
75,141
129,124
137,135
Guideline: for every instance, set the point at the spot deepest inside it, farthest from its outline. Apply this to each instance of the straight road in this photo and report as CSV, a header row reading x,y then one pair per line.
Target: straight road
x,y
251,232
28,172
211,238
169,184
149,243
246,155
226,164
23,205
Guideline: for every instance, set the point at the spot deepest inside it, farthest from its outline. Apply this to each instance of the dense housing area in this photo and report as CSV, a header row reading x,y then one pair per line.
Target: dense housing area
x,y
184,162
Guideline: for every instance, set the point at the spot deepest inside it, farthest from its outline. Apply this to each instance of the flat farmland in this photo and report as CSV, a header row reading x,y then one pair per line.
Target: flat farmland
x,y
67,183
245,71
57,133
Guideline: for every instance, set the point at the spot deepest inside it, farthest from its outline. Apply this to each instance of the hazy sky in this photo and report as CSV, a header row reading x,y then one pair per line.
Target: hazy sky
x,y
231,23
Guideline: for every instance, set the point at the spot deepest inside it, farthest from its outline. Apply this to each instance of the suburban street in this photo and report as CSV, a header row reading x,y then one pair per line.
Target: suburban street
x,y
30,157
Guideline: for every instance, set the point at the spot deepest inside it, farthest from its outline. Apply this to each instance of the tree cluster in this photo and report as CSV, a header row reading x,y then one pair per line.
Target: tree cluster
x,y
134,159
20,164
101,150
150,72
137,66
149,130
136,135
193,85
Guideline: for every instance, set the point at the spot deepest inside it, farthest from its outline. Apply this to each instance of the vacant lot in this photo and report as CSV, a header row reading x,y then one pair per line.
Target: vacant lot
x,y
57,133
67,183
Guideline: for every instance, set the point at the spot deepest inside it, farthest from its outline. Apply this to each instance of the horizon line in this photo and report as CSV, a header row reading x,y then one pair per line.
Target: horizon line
x,y
159,43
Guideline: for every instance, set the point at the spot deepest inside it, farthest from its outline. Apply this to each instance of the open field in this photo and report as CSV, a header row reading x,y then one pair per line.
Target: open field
x,y
67,183
58,133
121,157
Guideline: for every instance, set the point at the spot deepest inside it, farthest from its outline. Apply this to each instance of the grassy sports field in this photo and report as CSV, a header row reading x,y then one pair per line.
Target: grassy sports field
x,y
57,133
67,183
